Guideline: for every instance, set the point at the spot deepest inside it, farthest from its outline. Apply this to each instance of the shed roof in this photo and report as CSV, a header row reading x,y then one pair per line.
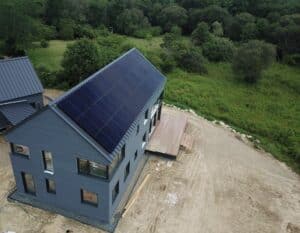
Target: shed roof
x,y
18,79
17,111
106,104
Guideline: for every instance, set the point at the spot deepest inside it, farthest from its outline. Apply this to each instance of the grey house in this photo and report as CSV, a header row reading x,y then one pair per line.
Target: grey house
x,y
81,155
21,92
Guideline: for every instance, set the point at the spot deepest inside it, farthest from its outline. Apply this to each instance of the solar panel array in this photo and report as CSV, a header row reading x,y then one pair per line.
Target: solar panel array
x,y
107,105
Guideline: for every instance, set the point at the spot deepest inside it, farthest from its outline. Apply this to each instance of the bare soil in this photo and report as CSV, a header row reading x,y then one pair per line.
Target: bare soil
x,y
223,186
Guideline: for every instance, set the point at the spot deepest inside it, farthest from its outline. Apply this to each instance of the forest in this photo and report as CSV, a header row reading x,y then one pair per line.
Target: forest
x,y
232,60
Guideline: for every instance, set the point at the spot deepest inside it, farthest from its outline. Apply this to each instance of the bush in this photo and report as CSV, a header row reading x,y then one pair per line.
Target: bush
x,y
218,49
193,61
168,62
293,59
81,31
251,59
48,78
201,34
142,33
155,31
44,44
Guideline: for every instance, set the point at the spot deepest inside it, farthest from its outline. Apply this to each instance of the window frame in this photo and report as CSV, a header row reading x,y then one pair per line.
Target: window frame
x,y
25,185
46,169
48,186
135,155
79,171
13,151
127,171
86,201
115,192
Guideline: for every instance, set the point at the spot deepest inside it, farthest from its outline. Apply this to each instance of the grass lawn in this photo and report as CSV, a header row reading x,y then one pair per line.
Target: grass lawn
x,y
268,110
49,57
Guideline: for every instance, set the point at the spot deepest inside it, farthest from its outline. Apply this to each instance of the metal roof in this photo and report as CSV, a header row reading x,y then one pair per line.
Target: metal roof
x,y
18,79
17,111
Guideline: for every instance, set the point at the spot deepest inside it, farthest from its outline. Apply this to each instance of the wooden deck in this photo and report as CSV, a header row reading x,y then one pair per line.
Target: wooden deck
x,y
166,138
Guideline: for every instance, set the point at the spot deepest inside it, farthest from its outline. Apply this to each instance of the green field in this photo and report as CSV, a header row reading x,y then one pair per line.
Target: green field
x,y
268,110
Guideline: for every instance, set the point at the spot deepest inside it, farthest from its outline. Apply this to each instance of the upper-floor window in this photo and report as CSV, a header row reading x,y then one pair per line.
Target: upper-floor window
x,y
135,155
137,129
144,140
48,161
89,197
92,168
127,171
20,149
115,192
146,116
115,163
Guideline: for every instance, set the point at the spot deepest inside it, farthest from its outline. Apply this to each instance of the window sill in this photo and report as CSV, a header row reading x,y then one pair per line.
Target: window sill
x,y
89,204
49,172
93,177
20,155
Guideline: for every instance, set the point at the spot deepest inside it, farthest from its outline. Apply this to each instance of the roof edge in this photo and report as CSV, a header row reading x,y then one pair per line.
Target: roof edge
x,y
14,59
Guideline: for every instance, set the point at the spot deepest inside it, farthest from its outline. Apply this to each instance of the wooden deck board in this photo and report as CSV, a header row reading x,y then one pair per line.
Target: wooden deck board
x,y
167,137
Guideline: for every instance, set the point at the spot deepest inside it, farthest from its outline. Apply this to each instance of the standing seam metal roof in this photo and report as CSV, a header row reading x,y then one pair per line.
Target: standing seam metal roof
x,y
18,79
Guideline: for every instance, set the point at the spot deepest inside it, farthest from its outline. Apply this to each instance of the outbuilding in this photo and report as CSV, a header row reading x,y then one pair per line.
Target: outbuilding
x,y
81,155
21,92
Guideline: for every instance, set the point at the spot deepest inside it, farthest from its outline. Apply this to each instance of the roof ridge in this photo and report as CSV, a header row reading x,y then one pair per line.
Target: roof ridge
x,y
13,59
91,77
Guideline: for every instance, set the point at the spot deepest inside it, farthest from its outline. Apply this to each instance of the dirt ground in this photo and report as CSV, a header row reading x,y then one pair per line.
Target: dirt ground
x,y
223,186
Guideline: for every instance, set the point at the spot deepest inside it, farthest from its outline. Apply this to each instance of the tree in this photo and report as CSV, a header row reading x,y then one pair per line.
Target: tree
x,y
217,29
173,15
131,20
80,60
97,12
18,24
251,59
218,49
201,34
193,61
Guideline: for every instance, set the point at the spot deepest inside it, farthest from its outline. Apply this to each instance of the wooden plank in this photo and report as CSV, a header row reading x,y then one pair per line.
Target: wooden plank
x,y
168,134
135,195
187,142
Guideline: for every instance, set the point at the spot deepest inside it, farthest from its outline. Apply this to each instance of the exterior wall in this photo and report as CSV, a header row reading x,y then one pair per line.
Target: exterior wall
x,y
36,98
48,132
132,144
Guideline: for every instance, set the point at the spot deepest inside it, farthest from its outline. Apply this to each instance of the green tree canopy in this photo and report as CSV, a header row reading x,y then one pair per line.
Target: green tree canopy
x,y
201,34
80,60
251,59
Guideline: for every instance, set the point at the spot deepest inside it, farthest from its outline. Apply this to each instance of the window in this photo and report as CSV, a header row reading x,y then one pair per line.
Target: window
x,y
89,197
20,149
50,184
146,116
137,129
135,155
115,192
127,171
28,183
48,162
91,168
117,160
144,140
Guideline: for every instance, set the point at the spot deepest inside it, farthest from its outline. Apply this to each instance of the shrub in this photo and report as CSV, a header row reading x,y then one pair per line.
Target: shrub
x,y
81,31
293,59
251,59
48,78
201,34
218,49
168,62
142,33
193,61
44,44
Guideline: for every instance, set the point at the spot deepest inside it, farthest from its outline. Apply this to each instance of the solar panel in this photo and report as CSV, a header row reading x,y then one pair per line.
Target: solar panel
x,y
107,104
